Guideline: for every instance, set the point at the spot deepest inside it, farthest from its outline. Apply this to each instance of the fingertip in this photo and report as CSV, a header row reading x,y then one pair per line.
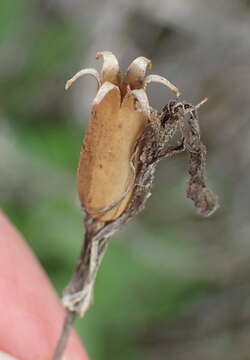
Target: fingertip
x,y
31,314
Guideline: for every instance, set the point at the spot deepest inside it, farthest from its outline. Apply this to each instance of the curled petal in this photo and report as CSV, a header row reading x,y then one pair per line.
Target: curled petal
x,y
110,69
136,73
161,80
142,100
82,72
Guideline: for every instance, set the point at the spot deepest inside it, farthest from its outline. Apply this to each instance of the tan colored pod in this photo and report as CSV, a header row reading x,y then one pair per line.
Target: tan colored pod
x,y
105,174
120,112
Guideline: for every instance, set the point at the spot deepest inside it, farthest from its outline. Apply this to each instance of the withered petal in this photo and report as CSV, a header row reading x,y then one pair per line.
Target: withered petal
x,y
136,73
110,70
160,79
92,72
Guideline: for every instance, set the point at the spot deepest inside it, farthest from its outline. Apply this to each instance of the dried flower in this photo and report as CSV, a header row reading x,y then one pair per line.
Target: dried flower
x,y
119,115
124,142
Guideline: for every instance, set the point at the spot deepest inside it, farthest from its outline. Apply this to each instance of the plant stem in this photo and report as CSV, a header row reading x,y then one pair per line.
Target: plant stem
x,y
62,342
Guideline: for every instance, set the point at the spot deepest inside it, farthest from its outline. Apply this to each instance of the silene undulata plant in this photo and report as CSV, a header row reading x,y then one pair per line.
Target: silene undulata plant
x,y
124,141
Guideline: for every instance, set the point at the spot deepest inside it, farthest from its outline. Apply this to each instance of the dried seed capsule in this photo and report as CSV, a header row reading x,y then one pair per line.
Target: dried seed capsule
x,y
120,112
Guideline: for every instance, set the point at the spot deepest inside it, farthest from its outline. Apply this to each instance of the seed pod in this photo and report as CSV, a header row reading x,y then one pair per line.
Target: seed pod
x,y
120,112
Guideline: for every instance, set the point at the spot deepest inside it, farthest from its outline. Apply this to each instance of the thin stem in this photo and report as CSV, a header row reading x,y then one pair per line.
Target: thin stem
x,y
62,342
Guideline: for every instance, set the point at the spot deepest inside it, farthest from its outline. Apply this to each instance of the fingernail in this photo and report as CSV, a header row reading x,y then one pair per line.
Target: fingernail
x,y
5,356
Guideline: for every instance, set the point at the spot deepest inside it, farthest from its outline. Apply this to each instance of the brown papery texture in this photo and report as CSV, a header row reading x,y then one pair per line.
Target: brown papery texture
x,y
109,157
106,173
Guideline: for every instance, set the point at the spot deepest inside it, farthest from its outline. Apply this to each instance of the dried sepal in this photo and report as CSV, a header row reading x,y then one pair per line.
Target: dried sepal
x,y
103,91
105,174
95,170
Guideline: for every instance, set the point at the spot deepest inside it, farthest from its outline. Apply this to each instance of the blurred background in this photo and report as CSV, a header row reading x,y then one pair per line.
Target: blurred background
x,y
172,285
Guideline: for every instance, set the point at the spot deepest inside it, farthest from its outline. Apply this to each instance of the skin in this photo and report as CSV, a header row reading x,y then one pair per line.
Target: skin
x,y
31,315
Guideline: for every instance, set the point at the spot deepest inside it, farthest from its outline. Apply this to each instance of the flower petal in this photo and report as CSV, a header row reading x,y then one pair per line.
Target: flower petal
x,y
136,73
92,72
160,79
110,69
